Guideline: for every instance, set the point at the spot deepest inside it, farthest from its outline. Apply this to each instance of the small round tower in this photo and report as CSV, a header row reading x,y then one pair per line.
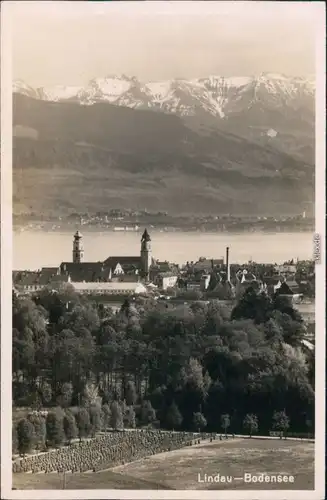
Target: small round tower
x,y
146,254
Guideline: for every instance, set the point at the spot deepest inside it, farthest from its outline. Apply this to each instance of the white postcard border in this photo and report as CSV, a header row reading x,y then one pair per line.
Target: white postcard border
x,y
6,263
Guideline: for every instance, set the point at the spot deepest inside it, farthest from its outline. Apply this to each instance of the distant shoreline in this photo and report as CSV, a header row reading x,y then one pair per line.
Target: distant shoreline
x,y
90,229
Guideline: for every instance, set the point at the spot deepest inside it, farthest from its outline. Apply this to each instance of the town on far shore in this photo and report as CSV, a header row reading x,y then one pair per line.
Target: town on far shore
x,y
120,220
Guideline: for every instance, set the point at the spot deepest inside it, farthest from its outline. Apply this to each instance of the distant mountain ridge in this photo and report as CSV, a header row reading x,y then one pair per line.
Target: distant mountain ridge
x,y
72,158
216,95
269,109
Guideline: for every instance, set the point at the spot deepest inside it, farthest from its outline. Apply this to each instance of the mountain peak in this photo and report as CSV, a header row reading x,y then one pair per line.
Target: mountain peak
x,y
214,95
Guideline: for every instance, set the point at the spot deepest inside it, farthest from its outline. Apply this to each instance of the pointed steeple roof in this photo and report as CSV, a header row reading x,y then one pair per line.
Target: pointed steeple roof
x,y
145,236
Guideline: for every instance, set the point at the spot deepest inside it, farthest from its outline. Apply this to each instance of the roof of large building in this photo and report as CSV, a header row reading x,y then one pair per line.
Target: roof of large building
x,y
126,277
26,278
110,286
272,280
290,285
52,270
49,272
85,271
126,262
203,264
37,278
164,266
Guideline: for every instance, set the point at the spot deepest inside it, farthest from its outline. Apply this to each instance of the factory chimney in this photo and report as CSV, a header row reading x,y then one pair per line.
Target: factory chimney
x,y
227,265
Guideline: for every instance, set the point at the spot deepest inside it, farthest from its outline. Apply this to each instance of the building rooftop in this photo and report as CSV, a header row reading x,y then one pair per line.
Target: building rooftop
x,y
49,272
292,286
203,264
110,286
85,271
272,280
126,262
35,278
26,278
132,278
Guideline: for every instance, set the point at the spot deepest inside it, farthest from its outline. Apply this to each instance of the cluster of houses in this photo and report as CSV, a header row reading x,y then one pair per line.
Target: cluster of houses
x,y
212,275
131,275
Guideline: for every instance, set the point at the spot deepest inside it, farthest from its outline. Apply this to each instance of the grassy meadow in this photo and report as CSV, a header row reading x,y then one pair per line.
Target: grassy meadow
x,y
178,470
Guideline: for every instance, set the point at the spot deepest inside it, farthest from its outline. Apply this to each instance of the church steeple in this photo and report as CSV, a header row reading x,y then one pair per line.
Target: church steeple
x,y
78,250
146,254
145,236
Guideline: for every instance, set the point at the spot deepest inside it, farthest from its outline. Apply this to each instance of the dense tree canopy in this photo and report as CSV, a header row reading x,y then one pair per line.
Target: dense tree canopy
x,y
185,365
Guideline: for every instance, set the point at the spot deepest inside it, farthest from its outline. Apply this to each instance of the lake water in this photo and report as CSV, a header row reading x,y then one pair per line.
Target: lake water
x,y
35,249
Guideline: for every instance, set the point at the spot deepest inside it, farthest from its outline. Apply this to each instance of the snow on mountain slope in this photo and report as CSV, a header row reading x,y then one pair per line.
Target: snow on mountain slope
x,y
215,95
161,91
104,89
237,81
20,87
283,86
59,93
118,90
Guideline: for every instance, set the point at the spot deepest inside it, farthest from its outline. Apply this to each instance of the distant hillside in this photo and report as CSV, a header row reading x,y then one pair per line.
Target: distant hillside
x,y
69,157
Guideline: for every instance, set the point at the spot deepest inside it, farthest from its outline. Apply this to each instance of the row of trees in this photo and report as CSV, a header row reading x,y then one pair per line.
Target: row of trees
x,y
69,351
40,431
280,422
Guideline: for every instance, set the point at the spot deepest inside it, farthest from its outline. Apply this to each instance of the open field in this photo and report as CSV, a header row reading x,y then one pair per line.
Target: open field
x,y
85,481
179,469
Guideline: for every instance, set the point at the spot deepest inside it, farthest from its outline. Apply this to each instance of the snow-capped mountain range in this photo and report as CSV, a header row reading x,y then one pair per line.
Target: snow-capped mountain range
x,y
215,95
213,143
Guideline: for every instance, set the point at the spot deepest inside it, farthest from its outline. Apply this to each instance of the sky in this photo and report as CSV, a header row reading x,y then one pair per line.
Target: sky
x,y
69,43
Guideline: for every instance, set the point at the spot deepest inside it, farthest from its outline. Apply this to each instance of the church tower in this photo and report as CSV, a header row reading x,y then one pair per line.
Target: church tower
x,y
78,251
146,254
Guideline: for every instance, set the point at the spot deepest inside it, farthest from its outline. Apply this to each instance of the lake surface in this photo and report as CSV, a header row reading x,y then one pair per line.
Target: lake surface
x,y
35,249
